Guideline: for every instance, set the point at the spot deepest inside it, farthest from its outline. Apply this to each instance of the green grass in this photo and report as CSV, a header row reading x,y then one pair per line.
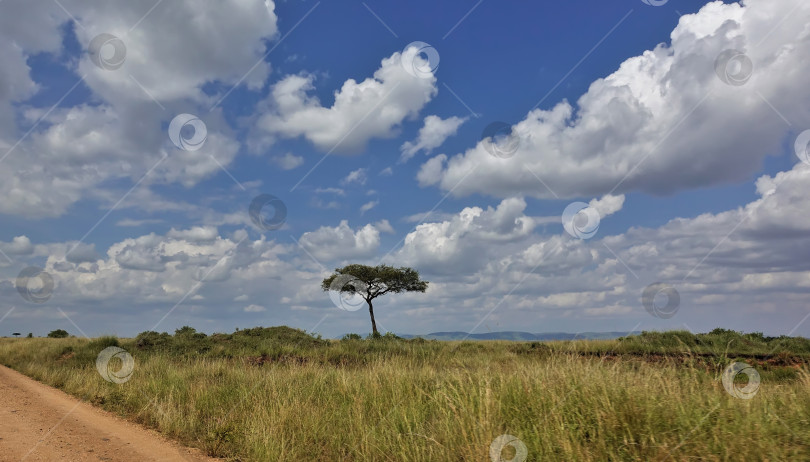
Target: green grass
x,y
280,394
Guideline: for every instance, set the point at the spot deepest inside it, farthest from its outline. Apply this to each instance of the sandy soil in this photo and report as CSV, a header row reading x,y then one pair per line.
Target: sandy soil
x,y
40,423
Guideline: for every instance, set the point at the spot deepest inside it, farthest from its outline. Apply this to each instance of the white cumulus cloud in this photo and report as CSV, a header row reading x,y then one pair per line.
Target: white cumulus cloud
x,y
432,135
341,242
664,121
372,108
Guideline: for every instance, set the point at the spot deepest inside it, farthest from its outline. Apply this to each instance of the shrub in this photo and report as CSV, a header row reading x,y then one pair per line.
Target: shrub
x,y
151,339
724,332
188,332
188,341
281,334
757,336
387,336
352,337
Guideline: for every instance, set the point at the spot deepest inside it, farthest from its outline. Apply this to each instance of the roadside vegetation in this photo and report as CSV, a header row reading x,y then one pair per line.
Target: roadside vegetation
x,y
280,394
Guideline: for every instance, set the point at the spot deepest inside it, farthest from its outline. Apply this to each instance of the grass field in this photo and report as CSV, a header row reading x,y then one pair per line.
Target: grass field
x,y
280,394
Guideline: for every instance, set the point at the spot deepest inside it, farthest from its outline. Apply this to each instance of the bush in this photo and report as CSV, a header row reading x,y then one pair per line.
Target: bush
x,y
724,332
281,334
352,337
387,336
189,332
151,339
220,337
757,336
187,341
58,333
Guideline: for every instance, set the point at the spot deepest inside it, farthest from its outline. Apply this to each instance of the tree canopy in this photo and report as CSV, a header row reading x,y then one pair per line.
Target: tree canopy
x,y
370,282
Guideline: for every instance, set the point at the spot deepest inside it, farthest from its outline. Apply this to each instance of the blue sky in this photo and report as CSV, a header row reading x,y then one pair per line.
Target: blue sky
x,y
695,182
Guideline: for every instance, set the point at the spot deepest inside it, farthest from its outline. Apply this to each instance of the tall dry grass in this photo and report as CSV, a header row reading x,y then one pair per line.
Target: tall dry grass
x,y
434,401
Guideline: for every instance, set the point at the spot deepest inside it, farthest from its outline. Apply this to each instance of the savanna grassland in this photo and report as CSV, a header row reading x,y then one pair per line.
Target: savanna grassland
x,y
280,394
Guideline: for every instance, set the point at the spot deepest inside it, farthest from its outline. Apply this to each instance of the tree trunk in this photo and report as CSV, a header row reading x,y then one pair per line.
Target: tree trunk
x,y
375,333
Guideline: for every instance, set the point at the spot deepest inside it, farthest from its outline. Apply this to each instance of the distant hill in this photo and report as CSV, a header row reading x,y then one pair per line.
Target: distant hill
x,y
521,336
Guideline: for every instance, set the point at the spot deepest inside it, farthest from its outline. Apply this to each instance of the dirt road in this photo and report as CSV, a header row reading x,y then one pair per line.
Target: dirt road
x,y
40,423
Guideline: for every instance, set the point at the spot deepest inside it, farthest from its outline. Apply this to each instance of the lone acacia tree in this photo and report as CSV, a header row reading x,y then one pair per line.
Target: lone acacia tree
x,y
372,281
